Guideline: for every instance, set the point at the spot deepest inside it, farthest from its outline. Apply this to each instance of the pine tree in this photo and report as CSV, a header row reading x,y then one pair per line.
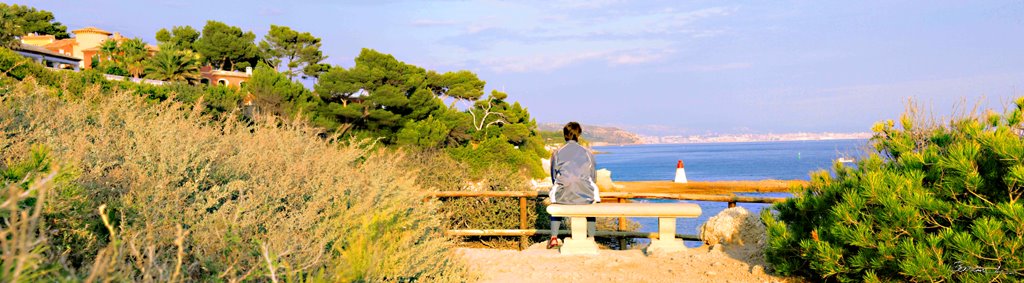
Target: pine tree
x,y
931,203
226,47
298,52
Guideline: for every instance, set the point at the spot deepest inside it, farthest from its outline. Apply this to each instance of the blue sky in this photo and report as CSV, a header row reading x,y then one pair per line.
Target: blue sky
x,y
657,67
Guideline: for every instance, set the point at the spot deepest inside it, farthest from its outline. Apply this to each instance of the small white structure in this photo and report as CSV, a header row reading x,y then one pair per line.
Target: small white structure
x,y
666,213
680,173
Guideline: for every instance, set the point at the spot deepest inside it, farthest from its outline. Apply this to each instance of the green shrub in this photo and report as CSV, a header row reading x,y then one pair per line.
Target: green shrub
x,y
428,133
497,152
932,203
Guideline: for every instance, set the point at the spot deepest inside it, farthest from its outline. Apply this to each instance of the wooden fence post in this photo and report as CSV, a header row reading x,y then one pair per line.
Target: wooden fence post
x,y
522,222
622,227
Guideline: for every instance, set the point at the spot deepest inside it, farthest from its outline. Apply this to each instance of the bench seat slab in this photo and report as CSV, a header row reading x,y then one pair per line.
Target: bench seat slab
x,y
687,210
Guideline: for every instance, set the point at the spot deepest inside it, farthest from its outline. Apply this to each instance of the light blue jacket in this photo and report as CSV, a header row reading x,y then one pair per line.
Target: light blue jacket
x,y
573,175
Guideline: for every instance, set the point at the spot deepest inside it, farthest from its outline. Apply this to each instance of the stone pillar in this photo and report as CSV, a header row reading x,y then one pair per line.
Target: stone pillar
x,y
667,241
579,243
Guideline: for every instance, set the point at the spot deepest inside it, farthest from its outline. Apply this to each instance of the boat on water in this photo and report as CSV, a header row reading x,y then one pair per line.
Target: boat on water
x,y
845,160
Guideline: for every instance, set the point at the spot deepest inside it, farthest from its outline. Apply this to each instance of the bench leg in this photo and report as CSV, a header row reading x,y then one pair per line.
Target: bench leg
x,y
579,243
667,241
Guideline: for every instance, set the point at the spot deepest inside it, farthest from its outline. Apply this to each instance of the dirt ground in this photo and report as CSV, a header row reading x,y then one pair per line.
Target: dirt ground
x,y
719,263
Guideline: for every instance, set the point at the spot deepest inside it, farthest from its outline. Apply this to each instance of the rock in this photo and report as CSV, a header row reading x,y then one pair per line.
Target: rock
x,y
733,226
604,181
716,248
710,273
757,270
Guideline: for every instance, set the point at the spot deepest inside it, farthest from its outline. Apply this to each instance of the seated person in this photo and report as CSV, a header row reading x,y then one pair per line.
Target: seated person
x,y
572,176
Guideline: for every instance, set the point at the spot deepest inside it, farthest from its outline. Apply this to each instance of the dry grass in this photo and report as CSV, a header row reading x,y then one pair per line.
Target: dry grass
x,y
186,198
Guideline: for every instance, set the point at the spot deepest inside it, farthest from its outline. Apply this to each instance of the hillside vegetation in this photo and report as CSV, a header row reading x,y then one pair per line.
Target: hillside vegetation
x,y
117,181
596,135
147,192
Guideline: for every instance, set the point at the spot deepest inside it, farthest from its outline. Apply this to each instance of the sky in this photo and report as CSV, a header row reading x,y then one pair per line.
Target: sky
x,y
657,67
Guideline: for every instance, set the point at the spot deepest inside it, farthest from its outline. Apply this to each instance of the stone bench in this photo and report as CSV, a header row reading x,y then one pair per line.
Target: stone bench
x,y
666,213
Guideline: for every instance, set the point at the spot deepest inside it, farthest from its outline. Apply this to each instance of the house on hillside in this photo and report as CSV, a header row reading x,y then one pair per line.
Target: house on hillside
x,y
84,45
48,58
226,78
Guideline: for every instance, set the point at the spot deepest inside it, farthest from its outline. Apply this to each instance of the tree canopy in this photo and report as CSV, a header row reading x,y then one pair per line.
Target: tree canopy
x,y
18,20
277,94
226,47
404,104
179,37
297,52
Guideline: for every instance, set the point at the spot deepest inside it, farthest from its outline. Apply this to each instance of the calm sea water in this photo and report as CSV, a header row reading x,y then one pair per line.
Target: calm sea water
x,y
723,161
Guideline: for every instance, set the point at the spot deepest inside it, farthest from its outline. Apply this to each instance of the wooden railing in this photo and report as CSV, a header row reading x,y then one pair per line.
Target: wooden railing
x,y
630,190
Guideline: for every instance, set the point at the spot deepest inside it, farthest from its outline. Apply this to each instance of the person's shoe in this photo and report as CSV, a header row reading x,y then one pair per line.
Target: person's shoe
x,y
554,242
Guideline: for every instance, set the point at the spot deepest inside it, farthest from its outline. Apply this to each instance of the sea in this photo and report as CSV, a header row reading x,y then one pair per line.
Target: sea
x,y
782,160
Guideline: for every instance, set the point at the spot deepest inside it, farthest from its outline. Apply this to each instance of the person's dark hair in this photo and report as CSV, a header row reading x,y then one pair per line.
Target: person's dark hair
x,y
572,131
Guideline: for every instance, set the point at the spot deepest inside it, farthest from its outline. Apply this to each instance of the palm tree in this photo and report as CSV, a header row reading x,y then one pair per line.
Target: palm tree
x,y
109,50
127,55
173,65
133,56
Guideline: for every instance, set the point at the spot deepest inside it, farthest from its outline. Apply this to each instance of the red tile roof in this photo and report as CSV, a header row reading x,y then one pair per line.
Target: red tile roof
x,y
92,30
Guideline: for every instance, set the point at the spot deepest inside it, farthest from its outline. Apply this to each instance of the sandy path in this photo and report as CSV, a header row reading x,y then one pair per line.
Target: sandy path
x,y
537,264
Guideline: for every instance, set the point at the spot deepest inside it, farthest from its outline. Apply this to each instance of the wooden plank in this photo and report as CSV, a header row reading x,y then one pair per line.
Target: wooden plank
x,y
708,187
721,198
532,232
485,194
622,227
613,195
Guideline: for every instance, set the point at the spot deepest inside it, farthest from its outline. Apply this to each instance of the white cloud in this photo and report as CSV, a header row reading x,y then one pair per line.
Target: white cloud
x,y
556,61
719,67
271,11
584,4
432,23
988,91
539,62
538,38
475,28
639,56
680,22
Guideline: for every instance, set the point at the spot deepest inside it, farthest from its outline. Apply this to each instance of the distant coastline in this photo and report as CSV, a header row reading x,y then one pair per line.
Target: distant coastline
x,y
723,142
611,136
723,138
741,138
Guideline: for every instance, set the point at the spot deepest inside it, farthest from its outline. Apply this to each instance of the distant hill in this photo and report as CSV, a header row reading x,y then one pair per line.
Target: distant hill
x,y
598,135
